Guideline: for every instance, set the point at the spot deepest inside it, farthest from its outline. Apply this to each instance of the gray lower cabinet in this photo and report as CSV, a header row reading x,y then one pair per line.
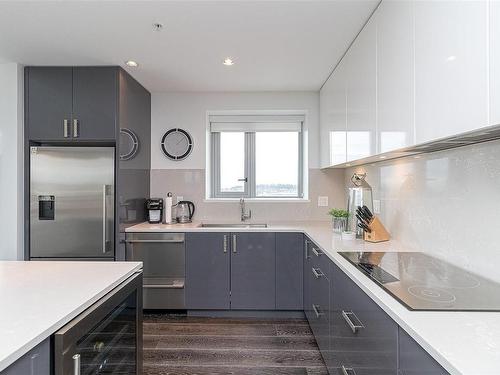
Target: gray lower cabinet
x,y
289,268
35,362
208,271
414,360
364,339
317,279
253,270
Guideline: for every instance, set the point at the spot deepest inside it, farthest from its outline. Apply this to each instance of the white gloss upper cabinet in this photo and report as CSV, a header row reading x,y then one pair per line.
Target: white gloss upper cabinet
x,y
395,68
360,65
333,119
451,67
494,62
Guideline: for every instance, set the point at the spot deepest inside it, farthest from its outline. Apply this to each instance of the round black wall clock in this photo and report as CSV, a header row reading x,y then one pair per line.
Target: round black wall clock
x,y
176,144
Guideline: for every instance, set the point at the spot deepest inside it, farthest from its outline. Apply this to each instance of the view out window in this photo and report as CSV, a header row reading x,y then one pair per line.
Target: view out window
x,y
248,162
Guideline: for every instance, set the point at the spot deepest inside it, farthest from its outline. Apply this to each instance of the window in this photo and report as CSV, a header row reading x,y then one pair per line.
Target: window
x,y
256,156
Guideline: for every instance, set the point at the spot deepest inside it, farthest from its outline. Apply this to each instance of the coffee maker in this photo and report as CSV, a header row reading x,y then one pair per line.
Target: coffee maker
x,y
154,210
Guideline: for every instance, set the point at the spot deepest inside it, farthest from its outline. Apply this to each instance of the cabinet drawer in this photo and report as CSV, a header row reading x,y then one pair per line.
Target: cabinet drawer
x,y
363,336
35,362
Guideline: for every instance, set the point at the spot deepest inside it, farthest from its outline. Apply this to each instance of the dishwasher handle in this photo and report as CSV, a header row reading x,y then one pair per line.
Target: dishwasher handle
x,y
154,241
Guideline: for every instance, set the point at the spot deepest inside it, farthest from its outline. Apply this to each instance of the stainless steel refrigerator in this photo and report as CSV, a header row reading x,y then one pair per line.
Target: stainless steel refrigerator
x,y
72,203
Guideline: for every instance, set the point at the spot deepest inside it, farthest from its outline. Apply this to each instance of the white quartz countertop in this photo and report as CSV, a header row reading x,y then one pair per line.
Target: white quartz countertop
x,y
38,298
465,343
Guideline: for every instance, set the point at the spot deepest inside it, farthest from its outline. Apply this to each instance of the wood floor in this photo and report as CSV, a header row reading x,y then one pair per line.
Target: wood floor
x,y
175,345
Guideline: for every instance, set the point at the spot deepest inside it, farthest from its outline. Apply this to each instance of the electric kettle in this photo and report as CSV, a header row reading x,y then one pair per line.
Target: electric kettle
x,y
185,211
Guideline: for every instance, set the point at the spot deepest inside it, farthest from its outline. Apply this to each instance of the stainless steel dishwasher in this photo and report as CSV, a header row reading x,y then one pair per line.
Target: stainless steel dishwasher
x,y
163,257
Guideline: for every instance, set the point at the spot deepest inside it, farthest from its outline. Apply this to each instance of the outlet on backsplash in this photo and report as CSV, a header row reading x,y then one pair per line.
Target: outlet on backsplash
x,y
322,201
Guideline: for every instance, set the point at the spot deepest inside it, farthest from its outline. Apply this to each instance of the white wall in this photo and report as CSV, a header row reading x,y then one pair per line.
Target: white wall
x,y
189,110
11,161
187,177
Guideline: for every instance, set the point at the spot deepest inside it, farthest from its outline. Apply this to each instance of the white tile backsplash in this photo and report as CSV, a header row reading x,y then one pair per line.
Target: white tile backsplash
x,y
190,183
445,203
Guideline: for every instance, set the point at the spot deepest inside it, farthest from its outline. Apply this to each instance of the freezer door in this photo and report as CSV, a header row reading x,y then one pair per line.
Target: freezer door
x,y
72,202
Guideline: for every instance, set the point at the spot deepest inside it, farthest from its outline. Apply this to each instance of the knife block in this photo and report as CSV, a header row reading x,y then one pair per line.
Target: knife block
x,y
378,232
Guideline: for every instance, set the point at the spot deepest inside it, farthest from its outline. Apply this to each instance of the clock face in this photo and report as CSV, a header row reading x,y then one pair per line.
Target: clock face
x,y
176,144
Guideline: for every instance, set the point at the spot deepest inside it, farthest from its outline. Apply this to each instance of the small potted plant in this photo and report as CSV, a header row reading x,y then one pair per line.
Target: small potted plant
x,y
339,219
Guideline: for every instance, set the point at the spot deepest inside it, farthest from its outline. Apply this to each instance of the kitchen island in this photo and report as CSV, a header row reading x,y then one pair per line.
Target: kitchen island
x,y
39,298
461,342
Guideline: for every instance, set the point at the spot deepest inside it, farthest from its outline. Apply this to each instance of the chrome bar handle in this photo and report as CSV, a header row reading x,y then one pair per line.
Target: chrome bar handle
x,y
65,128
76,132
154,241
104,220
317,311
234,243
76,364
354,326
306,249
317,252
317,273
348,371
225,243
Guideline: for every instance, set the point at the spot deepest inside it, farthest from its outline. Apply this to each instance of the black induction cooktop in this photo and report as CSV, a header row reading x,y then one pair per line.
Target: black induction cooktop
x,y
421,282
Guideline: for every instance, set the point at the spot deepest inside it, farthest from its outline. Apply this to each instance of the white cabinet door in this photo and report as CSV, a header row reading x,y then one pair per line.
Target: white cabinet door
x,y
333,119
360,63
451,67
494,62
395,76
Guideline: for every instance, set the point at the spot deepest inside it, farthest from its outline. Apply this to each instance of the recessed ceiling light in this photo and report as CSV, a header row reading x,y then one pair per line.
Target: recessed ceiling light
x,y
451,58
228,61
131,63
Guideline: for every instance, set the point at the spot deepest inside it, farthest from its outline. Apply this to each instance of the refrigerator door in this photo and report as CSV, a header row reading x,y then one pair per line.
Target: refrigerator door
x,y
72,202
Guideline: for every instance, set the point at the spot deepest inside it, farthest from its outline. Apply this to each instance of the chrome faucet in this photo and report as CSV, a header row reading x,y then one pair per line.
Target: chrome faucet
x,y
244,215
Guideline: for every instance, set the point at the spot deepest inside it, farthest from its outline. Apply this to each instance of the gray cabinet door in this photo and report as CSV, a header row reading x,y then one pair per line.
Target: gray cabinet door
x,y
35,362
289,267
319,284
48,102
363,336
95,98
253,270
414,360
207,271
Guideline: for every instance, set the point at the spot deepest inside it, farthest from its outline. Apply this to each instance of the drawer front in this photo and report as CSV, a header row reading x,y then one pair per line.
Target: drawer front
x,y
363,336
35,362
320,309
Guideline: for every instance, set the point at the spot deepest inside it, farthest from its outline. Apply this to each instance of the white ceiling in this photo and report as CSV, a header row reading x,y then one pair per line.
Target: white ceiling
x,y
277,45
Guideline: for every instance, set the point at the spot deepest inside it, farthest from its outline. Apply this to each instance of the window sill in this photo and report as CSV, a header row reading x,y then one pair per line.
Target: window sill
x,y
257,200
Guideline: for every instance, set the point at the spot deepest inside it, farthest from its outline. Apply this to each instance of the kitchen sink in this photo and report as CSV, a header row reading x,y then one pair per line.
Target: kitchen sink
x,y
218,225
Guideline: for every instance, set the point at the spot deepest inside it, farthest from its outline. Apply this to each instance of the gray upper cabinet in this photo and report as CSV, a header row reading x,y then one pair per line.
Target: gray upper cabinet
x,y
35,362
364,339
94,103
207,271
413,360
289,264
48,104
253,269
71,103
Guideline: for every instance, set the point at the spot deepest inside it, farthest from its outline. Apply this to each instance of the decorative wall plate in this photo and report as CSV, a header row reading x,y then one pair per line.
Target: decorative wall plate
x,y
129,144
176,144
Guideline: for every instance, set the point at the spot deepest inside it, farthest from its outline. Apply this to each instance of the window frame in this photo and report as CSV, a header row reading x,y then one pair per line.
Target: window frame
x,y
250,169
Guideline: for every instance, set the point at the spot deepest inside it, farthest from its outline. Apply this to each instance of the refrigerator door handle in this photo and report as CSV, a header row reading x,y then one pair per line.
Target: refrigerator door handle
x,y
104,219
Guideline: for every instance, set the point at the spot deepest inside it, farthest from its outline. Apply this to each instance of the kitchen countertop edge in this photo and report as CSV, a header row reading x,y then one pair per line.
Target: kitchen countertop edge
x,y
10,359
